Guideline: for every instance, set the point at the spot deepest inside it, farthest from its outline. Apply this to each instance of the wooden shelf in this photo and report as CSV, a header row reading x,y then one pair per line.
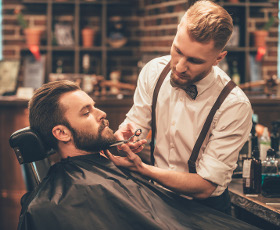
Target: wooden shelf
x,y
82,2
240,13
35,1
76,9
246,4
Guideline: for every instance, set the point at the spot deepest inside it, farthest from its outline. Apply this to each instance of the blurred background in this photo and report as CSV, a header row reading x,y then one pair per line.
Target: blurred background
x,y
103,45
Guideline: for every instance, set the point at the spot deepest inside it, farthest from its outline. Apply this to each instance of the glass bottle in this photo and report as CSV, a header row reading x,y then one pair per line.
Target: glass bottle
x,y
59,66
275,140
235,74
264,144
257,170
87,78
275,136
254,137
252,172
86,63
247,175
270,165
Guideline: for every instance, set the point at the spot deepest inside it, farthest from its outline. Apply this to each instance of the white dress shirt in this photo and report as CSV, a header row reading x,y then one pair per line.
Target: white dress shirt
x,y
179,120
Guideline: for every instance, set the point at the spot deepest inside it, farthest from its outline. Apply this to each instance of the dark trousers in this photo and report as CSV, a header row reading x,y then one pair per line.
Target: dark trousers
x,y
220,203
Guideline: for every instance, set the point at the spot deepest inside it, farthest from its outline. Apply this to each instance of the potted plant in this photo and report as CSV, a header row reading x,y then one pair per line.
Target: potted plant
x,y
261,35
233,1
88,35
32,34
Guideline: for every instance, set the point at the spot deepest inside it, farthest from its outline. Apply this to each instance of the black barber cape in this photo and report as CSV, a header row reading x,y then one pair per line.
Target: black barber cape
x,y
90,192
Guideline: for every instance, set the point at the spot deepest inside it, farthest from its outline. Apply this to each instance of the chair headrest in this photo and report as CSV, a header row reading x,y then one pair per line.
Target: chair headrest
x,y
28,146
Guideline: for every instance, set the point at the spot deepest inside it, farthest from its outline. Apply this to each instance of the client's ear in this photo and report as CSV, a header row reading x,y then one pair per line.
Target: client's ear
x,y
61,133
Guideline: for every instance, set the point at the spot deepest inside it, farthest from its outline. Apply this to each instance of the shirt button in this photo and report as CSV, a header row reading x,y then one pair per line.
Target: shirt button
x,y
173,123
181,99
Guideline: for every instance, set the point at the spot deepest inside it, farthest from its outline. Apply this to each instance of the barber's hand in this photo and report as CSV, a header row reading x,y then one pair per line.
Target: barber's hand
x,y
135,147
125,133
131,161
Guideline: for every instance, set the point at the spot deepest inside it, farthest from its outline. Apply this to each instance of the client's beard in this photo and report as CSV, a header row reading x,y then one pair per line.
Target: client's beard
x,y
92,143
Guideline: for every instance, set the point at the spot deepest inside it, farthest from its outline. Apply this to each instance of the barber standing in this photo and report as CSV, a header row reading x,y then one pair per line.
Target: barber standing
x,y
191,156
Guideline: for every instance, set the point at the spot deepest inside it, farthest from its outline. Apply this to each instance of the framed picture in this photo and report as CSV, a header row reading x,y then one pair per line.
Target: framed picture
x,y
77,78
8,75
85,81
34,71
63,34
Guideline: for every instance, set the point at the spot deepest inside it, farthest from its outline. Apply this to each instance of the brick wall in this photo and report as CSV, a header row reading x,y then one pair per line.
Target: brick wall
x,y
13,37
159,24
151,29
259,16
160,19
35,14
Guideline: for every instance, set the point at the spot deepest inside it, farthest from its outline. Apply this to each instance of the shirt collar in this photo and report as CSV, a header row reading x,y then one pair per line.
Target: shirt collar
x,y
206,82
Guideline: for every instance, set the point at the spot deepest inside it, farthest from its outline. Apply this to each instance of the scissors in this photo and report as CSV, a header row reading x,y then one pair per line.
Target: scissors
x,y
136,134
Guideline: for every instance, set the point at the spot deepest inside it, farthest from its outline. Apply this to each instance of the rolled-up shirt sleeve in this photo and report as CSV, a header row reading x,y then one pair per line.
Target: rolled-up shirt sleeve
x,y
230,130
140,112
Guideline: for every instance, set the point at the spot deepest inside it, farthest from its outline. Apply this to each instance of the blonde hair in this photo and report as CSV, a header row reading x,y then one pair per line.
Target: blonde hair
x,y
206,21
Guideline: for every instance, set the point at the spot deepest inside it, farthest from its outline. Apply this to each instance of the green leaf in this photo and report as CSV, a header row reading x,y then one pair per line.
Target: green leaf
x,y
23,24
269,23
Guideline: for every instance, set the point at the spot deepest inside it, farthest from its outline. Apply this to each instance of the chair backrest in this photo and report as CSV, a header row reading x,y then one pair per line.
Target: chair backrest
x,y
32,155
28,146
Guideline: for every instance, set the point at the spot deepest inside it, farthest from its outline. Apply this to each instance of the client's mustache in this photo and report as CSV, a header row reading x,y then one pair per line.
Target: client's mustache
x,y
103,124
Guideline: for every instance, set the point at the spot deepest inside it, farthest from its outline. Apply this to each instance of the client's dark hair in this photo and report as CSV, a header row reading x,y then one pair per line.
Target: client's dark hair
x,y
45,111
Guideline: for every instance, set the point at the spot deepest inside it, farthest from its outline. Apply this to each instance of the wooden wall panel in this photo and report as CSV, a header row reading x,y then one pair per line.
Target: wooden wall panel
x,y
12,186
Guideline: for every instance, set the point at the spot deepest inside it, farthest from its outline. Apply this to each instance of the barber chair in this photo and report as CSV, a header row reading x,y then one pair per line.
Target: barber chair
x,y
32,155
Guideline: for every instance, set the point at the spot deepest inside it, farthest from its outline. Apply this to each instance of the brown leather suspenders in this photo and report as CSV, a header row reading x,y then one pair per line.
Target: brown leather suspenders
x,y
226,90
155,95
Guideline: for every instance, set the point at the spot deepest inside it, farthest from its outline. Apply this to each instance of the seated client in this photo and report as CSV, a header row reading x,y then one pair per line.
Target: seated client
x,y
84,190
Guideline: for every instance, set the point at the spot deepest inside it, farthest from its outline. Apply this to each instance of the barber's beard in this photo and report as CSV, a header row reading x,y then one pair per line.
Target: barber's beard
x,y
93,143
177,83
188,79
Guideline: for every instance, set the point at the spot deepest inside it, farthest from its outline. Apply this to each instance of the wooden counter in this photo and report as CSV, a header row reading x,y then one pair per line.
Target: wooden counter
x,y
268,109
267,209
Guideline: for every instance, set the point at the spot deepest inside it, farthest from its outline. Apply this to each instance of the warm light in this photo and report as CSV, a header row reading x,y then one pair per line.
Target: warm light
x,y
259,130
261,51
35,51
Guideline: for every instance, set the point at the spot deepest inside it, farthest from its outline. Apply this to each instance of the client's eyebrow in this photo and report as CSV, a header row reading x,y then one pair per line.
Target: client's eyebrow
x,y
190,58
86,107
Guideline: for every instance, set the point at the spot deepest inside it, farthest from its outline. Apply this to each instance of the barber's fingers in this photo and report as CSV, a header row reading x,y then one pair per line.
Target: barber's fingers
x,y
134,145
108,154
112,157
137,146
134,159
132,127
118,160
120,134
139,149
126,131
